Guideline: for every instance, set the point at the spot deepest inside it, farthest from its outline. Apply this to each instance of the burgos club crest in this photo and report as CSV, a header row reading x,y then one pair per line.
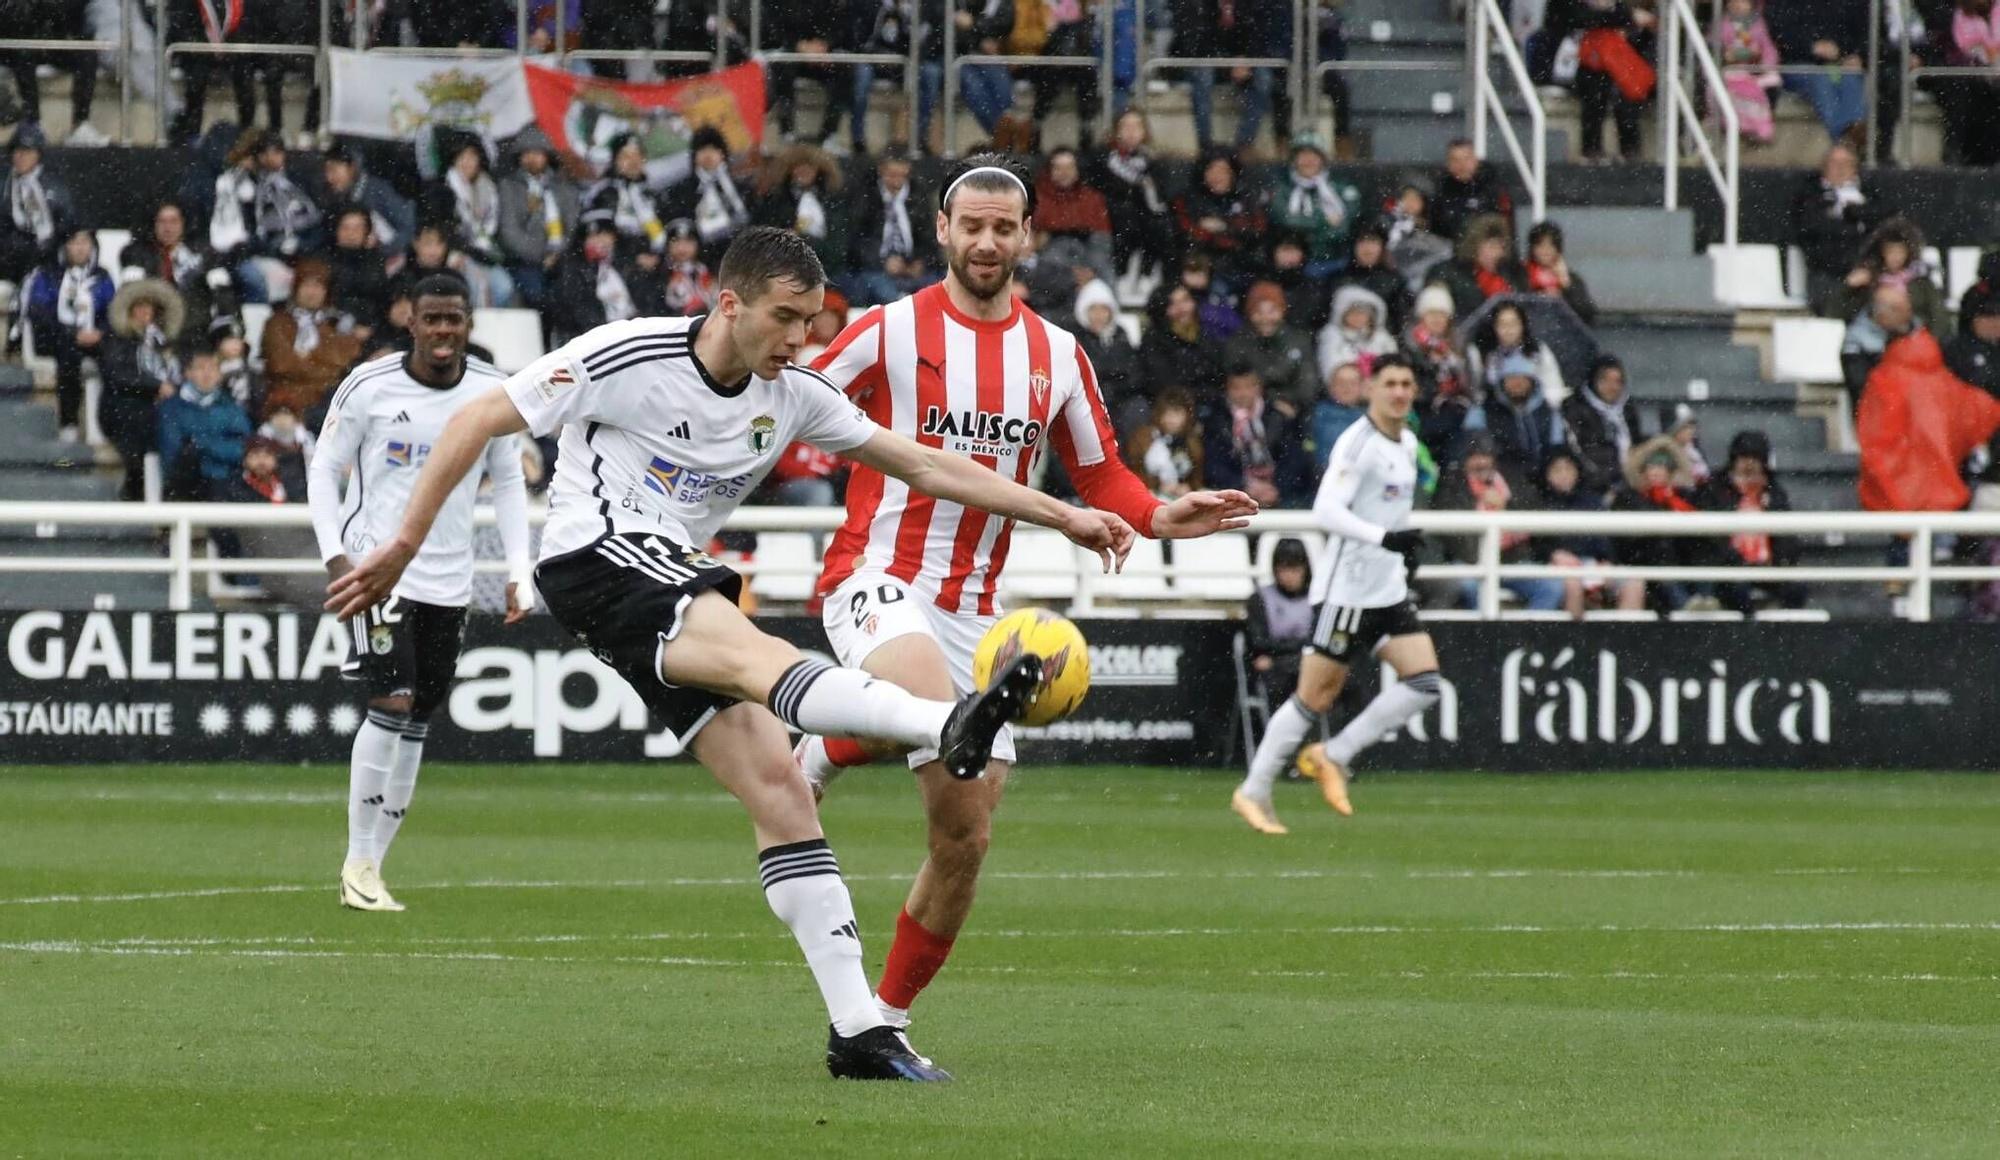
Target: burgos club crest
x,y
763,433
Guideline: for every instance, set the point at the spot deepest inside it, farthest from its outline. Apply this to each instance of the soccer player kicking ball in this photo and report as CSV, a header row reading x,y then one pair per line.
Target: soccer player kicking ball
x,y
667,423
1364,501
385,419
910,581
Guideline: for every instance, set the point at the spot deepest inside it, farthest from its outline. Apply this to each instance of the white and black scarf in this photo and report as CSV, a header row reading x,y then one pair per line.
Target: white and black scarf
x,y
477,202
613,294
897,240
636,215
1314,198
306,340
283,211
156,359
30,206
76,306
718,209
542,196
810,219
1613,415
1135,169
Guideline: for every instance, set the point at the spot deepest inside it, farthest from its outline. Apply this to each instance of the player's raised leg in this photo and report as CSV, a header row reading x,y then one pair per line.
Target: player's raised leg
x,y
717,648
1414,658
1320,681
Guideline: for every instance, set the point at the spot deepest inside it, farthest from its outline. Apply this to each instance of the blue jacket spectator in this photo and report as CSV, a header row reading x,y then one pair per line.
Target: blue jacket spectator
x,y
347,183
36,212
68,306
1524,428
1337,410
201,432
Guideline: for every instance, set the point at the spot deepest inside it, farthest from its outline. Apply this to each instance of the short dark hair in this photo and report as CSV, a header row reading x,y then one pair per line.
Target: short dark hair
x,y
443,284
763,253
963,177
1241,367
1392,362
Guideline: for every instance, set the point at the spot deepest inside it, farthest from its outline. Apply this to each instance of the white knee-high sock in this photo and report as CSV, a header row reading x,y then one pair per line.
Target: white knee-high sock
x,y
815,697
1388,711
803,885
1282,738
401,786
367,773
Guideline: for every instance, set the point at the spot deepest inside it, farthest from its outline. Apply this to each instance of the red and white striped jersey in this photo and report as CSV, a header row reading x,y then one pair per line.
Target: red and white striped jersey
x,y
993,391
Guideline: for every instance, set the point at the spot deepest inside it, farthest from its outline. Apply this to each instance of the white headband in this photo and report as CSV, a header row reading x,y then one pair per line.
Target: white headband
x,y
1008,173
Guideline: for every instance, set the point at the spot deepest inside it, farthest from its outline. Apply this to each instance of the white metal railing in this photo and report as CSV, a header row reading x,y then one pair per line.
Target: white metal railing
x,y
1681,29
182,563
1490,32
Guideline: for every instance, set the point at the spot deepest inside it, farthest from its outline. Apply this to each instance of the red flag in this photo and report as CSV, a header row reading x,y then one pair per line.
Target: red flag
x,y
582,114
1918,422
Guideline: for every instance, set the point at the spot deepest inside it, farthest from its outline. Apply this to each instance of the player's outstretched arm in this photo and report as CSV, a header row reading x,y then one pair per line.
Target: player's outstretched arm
x,y
962,481
1202,513
488,417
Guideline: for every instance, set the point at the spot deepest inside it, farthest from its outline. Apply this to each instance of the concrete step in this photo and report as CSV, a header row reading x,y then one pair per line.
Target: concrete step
x,y
68,591
1675,355
18,537
80,483
1359,13
1652,389
1593,233
1658,285
15,379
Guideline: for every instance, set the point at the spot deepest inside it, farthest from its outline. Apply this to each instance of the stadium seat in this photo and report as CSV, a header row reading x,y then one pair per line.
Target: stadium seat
x,y
1267,543
110,248
255,315
1806,350
1795,272
1041,565
1961,272
1751,278
1144,577
786,565
514,336
1213,568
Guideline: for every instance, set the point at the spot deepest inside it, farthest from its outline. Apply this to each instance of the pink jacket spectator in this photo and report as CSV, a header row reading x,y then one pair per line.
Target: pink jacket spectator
x,y
1977,37
1742,44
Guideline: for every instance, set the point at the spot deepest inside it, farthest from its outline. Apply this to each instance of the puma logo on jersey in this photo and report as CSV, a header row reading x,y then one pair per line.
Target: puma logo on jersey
x,y
981,427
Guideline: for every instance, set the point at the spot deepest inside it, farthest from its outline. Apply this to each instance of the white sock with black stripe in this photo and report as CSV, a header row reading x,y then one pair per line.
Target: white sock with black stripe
x,y
374,755
816,697
1282,738
803,885
401,785
1390,709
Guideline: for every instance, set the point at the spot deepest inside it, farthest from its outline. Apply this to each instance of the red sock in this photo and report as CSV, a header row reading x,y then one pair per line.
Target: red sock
x,y
845,751
914,959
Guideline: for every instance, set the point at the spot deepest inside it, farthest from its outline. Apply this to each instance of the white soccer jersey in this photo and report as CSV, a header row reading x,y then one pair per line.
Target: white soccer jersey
x,y
383,424
1370,483
996,392
652,443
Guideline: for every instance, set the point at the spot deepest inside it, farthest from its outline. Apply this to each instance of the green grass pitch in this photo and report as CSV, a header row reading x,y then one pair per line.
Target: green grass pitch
x,y
1679,964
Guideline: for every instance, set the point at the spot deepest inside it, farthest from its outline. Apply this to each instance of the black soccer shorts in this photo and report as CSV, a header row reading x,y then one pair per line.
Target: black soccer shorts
x,y
403,648
624,597
1347,634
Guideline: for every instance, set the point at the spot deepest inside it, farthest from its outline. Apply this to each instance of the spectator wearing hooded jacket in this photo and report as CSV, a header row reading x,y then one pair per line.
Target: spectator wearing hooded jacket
x,y
708,195
1217,217
1123,172
1749,484
1312,203
1467,189
36,212
201,432
1371,267
1068,208
347,183
1282,355
308,346
1447,393
539,206
1111,354
1484,266
1255,445
1604,424
140,368
360,277
1893,255
466,200
1278,622
69,305
600,280
626,191
1306,301
1523,426
1357,333
1178,347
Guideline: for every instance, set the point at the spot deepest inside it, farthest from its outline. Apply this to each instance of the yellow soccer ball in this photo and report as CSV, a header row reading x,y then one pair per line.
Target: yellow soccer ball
x,y
1065,660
